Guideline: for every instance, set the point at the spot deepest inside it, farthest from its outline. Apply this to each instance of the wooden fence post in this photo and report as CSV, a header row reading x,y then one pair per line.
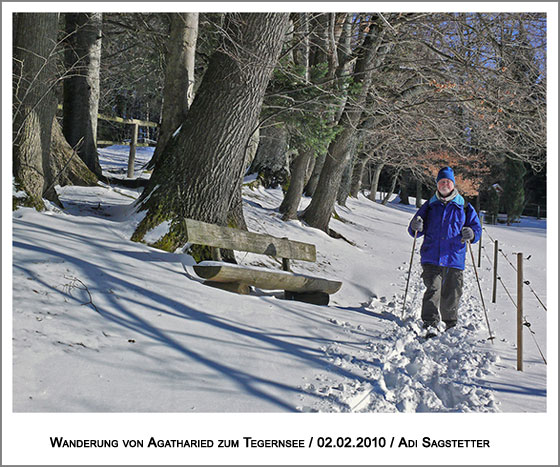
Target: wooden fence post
x,y
520,311
132,152
495,278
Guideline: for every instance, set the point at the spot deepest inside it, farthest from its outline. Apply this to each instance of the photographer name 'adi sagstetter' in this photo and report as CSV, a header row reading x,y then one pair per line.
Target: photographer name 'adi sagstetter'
x,y
428,442
447,223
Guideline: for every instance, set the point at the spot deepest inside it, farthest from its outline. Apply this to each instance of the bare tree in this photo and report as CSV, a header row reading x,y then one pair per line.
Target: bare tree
x,y
132,71
451,83
199,173
310,125
319,211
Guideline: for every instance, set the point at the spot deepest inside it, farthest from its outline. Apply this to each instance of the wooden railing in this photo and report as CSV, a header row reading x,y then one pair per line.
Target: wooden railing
x,y
133,140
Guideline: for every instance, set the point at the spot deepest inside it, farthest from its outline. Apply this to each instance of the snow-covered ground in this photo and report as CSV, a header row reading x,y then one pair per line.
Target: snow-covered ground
x,y
115,164
102,326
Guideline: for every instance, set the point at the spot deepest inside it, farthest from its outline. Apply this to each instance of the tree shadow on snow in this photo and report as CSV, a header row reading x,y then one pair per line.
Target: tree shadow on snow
x,y
120,313
509,388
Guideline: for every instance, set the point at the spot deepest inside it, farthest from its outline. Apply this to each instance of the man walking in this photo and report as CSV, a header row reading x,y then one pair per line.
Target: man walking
x,y
447,223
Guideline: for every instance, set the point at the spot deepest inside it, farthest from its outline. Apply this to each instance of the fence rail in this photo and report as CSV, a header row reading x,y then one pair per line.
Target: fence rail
x,y
129,121
132,142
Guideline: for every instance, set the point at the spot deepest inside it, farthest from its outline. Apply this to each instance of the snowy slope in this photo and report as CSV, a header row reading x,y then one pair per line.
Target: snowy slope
x,y
102,324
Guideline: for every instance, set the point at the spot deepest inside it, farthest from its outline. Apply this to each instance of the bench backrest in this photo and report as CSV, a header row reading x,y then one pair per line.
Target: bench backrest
x,y
201,233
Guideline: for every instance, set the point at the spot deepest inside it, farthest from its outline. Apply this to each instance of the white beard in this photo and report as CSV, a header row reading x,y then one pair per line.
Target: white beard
x,y
447,198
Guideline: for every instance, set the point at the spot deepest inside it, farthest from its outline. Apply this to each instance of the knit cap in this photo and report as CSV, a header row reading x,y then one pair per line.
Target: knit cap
x,y
446,172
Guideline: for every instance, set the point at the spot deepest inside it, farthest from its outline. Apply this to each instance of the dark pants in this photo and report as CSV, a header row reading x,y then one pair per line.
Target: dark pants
x,y
444,287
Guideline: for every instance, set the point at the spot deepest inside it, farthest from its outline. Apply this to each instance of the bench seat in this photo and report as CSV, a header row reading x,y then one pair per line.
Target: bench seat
x,y
263,278
239,279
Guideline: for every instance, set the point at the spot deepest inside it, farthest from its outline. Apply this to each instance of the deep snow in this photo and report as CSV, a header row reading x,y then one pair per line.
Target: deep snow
x,y
102,324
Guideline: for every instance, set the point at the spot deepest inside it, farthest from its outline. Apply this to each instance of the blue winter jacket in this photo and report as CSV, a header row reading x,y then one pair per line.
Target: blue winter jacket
x,y
442,231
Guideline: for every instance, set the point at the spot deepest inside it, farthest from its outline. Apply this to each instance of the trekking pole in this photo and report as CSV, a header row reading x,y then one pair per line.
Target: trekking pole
x,y
491,338
409,268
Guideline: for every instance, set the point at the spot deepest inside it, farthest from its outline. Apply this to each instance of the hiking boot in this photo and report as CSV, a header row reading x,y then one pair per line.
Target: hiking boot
x,y
429,324
432,329
449,325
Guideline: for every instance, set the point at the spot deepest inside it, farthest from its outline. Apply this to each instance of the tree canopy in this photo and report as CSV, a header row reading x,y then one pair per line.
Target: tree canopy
x,y
391,92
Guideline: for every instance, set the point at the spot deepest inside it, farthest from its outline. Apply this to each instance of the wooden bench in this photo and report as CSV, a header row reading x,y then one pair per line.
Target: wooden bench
x,y
238,278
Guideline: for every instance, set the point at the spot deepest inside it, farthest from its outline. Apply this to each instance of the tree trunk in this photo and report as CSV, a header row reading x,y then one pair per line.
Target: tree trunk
x,y
514,190
271,158
311,184
346,180
392,189
404,192
344,187
306,169
66,165
178,87
375,181
198,174
34,103
358,174
82,59
291,200
300,53
319,24
319,211
345,63
236,219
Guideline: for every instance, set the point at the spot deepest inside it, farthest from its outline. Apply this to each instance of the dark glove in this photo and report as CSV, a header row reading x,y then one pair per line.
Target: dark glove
x,y
467,234
417,224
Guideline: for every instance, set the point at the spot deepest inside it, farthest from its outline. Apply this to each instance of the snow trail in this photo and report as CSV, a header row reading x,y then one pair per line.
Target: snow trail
x,y
399,370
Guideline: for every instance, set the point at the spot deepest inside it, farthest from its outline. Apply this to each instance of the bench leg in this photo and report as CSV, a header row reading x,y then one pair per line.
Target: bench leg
x,y
316,298
236,287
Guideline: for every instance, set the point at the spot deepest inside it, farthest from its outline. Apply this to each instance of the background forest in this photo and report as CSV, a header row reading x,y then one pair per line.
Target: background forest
x,y
322,104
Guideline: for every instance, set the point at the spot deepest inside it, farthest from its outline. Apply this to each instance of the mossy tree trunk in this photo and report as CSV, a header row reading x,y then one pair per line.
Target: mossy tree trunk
x,y
198,174
235,217
319,211
34,103
67,167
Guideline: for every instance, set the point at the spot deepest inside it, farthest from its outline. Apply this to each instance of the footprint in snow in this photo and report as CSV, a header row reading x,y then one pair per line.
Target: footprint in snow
x,y
404,373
